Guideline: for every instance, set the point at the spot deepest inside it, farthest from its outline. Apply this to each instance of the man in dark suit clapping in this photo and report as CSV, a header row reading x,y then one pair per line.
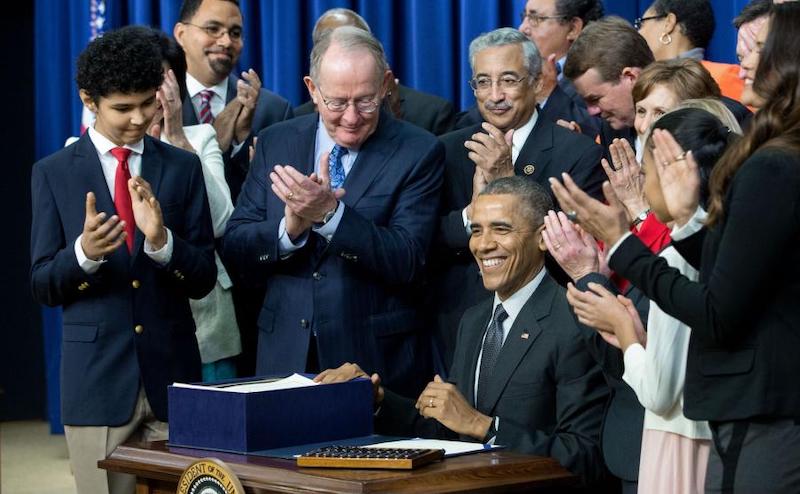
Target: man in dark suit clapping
x,y
514,139
336,216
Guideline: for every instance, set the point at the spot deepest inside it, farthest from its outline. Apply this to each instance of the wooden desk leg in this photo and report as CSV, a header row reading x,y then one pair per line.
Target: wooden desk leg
x,y
143,486
151,486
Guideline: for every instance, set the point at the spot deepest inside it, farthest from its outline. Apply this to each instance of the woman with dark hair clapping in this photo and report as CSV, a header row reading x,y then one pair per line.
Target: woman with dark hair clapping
x,y
742,364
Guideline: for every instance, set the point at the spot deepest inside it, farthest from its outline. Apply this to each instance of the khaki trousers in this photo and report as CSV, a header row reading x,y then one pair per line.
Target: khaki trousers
x,y
89,444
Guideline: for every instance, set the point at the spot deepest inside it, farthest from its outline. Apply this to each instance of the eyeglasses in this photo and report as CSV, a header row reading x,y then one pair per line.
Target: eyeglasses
x,y
536,19
637,23
364,105
505,83
216,31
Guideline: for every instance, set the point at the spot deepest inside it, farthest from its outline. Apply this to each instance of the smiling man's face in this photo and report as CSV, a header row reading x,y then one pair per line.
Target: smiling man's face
x,y
507,245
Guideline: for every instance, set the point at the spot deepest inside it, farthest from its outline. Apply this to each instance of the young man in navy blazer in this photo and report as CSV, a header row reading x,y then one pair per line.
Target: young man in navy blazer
x,y
121,239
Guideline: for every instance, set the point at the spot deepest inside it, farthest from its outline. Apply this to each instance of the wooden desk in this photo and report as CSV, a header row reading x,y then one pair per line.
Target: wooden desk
x,y
158,468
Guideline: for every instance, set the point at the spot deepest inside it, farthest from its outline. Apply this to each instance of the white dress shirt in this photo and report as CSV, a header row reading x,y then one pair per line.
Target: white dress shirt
x,y
217,102
109,164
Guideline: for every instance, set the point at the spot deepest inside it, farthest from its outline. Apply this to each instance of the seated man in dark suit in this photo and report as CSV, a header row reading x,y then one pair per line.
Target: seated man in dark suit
x,y
337,216
521,377
430,112
513,140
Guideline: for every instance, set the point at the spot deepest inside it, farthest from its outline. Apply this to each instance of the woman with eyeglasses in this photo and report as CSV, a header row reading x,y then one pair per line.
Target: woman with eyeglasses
x,y
683,29
742,365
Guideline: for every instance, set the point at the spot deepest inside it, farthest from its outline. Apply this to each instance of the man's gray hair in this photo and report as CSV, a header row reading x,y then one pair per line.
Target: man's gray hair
x,y
508,36
532,197
346,17
348,38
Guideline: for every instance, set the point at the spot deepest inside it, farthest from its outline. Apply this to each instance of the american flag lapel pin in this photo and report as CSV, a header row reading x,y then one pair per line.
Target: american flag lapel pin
x,y
525,334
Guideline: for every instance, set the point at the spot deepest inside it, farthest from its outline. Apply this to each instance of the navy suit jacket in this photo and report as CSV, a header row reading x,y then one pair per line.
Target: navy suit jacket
x,y
103,359
356,292
545,388
270,108
455,282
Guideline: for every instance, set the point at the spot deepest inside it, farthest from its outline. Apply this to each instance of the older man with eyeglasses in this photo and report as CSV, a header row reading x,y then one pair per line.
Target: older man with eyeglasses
x,y
553,25
336,217
514,139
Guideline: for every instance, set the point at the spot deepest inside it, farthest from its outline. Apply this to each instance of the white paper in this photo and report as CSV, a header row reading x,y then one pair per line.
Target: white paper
x,y
451,448
293,381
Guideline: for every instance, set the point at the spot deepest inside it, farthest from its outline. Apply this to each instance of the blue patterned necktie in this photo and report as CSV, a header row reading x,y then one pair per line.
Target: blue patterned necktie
x,y
491,350
335,166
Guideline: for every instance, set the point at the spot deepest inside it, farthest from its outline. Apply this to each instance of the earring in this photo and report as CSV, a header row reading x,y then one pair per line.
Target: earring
x,y
665,39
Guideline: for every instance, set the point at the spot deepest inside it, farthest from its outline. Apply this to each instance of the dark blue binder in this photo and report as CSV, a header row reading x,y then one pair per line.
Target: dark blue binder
x,y
209,418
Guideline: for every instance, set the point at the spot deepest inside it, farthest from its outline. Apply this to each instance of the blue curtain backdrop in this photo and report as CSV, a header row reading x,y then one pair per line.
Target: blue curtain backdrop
x,y
426,42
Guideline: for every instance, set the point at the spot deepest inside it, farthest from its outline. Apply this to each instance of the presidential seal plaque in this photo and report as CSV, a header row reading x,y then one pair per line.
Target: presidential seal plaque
x,y
209,476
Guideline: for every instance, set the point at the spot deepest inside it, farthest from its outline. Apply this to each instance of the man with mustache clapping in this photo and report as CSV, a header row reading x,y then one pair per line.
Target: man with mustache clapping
x,y
511,140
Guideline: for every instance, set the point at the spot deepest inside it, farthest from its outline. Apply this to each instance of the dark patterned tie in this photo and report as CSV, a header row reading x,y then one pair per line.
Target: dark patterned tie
x,y
491,349
205,106
335,166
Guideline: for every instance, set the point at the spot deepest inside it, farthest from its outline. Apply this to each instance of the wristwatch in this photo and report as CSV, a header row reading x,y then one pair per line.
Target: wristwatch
x,y
329,215
640,217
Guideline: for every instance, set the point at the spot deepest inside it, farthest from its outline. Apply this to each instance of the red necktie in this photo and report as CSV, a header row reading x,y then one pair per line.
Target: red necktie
x,y
205,106
122,196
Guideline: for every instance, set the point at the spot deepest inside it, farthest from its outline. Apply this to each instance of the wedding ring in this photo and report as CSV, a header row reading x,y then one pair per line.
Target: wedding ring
x,y
430,403
680,157
572,216
557,246
290,195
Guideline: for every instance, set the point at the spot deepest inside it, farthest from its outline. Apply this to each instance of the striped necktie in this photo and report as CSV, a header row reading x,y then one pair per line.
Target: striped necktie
x,y
205,106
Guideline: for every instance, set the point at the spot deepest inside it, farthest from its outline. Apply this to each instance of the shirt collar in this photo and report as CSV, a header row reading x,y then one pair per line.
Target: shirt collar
x,y
324,139
514,304
560,67
193,86
104,145
695,53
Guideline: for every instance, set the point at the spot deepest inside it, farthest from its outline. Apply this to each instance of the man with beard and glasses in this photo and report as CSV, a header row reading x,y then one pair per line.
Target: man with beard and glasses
x,y
514,139
210,32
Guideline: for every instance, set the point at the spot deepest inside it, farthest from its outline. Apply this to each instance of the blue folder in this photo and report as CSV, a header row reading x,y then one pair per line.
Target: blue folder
x,y
209,418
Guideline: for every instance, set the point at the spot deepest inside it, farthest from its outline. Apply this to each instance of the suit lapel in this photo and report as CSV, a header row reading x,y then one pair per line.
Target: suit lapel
x,y
516,346
152,171
87,164
371,160
304,145
535,156
231,93
189,115
473,338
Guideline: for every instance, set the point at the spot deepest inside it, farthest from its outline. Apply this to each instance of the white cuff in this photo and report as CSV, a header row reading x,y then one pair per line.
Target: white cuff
x,y
88,266
163,255
694,225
